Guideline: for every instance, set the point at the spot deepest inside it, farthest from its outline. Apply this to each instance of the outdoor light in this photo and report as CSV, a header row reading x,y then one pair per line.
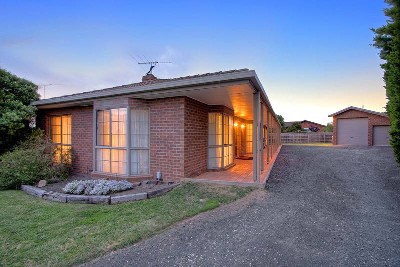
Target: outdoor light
x,y
242,125
235,124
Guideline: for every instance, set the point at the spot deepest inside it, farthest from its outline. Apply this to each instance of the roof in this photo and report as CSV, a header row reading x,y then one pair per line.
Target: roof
x,y
290,123
159,86
141,86
359,109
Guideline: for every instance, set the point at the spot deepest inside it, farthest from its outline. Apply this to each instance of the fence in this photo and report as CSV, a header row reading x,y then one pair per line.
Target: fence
x,y
305,138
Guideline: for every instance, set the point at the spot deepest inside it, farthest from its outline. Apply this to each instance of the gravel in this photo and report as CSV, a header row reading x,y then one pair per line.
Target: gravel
x,y
324,206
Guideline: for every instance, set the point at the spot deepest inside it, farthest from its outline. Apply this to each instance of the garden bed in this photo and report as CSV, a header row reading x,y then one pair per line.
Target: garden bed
x,y
140,190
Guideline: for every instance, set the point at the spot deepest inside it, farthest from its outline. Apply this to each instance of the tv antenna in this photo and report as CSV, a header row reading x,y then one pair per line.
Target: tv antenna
x,y
44,88
153,64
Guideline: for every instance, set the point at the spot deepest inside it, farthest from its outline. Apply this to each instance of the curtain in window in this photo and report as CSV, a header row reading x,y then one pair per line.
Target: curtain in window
x,y
140,141
60,134
220,146
111,141
249,138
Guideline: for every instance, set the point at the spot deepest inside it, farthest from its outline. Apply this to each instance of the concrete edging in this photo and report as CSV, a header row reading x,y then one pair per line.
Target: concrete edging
x,y
85,199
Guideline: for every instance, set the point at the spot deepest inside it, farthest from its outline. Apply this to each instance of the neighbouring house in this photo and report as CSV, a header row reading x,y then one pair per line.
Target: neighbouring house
x,y
307,126
358,126
215,126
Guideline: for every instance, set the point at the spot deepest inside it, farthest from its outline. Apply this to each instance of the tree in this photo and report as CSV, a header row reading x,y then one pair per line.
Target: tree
x,y
281,122
294,128
16,94
387,39
328,128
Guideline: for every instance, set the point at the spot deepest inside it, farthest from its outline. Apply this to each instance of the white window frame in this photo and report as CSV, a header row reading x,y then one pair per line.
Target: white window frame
x,y
223,146
139,148
110,147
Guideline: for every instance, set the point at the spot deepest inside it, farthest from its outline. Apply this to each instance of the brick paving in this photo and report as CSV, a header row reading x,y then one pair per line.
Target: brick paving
x,y
242,172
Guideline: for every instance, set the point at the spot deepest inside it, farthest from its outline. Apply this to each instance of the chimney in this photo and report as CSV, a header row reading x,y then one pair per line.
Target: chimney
x,y
148,77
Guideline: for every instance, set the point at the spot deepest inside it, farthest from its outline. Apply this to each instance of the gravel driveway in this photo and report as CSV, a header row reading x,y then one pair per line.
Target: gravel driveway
x,y
324,206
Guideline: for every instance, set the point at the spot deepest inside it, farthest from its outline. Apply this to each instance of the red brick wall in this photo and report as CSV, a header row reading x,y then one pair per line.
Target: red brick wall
x,y
309,125
196,137
81,135
373,120
167,137
178,134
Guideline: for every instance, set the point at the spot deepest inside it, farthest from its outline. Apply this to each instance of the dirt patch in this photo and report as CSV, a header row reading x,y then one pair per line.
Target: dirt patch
x,y
140,187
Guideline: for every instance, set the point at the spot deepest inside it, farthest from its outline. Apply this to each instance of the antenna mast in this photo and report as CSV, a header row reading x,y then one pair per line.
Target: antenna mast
x,y
152,65
44,87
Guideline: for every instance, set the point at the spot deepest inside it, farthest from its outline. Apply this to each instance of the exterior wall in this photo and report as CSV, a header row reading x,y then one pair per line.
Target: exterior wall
x,y
166,133
373,120
196,137
309,124
81,134
178,134
167,118
222,109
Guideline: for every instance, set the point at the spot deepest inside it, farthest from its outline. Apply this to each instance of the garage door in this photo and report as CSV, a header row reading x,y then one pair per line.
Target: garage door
x,y
352,131
381,135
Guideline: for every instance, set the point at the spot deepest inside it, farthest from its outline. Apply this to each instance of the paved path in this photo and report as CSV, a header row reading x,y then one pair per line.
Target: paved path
x,y
325,206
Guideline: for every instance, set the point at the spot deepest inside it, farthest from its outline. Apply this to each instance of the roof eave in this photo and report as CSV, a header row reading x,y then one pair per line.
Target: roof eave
x,y
241,75
358,109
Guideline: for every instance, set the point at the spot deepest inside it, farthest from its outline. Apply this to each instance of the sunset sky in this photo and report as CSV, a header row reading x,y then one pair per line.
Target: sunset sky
x,y
313,57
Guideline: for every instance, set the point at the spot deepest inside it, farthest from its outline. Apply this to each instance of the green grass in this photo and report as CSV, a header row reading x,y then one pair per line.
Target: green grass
x,y
35,232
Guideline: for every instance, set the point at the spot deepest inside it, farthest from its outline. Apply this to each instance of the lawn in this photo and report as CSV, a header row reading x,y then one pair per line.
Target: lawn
x,y
35,232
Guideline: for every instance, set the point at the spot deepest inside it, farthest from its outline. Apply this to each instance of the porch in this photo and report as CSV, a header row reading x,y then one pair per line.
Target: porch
x,y
240,174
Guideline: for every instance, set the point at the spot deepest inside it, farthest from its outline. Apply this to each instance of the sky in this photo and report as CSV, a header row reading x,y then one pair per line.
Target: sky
x,y
312,57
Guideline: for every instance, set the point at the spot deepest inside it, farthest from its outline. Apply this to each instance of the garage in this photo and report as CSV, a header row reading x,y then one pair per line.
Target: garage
x,y
381,136
353,131
360,127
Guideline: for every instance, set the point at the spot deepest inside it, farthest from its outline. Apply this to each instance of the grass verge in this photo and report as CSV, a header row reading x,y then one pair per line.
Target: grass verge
x,y
35,232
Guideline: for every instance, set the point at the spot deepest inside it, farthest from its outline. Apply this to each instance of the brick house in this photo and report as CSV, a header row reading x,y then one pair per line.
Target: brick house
x,y
358,126
185,127
307,125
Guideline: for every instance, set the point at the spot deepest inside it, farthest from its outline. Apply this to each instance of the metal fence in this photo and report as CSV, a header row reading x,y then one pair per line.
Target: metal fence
x,y
305,138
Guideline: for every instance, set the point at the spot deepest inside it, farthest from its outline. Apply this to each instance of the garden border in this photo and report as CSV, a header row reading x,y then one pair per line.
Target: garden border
x,y
86,199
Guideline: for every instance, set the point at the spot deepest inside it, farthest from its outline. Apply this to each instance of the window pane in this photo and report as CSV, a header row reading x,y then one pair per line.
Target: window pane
x,y
55,120
218,123
118,161
111,126
103,160
100,116
56,138
140,161
230,130
56,129
226,129
114,115
139,128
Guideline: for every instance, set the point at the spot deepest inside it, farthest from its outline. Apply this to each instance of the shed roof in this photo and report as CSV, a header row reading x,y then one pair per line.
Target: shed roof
x,y
359,109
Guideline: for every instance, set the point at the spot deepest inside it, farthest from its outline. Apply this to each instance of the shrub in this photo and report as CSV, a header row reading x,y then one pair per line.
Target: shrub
x,y
33,160
96,187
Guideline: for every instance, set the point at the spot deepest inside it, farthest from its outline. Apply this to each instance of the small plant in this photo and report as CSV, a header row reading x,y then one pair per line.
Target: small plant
x,y
31,161
96,187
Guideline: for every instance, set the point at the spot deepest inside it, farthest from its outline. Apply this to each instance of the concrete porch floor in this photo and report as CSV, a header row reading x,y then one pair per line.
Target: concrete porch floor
x,y
240,174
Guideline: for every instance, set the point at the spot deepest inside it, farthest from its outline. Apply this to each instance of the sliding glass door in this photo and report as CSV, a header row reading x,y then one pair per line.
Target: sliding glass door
x,y
220,140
